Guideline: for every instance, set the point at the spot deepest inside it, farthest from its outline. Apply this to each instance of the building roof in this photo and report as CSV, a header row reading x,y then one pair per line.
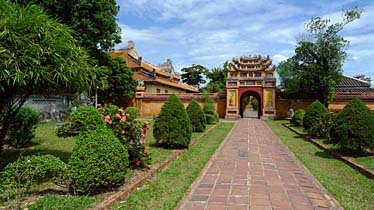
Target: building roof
x,y
251,63
352,82
144,70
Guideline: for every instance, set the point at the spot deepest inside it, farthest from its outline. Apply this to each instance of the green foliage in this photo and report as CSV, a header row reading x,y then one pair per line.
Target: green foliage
x,y
254,104
94,22
98,162
172,126
197,116
86,118
210,113
217,79
316,119
316,67
353,128
130,132
22,127
193,75
17,177
132,112
298,117
37,54
120,82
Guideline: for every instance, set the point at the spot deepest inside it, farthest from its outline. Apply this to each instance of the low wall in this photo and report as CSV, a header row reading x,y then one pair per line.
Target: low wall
x,y
151,104
282,106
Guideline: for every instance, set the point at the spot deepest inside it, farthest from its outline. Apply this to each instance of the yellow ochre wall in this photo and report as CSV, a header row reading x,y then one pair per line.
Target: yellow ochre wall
x,y
152,88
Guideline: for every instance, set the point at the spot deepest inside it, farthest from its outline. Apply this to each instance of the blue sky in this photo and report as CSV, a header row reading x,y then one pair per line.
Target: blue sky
x,y
209,32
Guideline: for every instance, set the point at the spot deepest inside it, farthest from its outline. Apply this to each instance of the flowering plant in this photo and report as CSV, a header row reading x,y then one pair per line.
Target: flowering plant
x,y
130,132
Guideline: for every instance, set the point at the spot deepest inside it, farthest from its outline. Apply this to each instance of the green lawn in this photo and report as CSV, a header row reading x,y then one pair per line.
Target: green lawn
x,y
45,142
367,162
353,190
166,190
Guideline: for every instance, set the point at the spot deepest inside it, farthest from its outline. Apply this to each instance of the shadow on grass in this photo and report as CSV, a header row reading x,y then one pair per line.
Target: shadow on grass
x,y
9,156
323,155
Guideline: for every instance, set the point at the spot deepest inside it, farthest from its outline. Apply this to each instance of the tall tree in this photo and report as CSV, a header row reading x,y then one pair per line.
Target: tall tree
x,y
319,59
37,53
217,78
193,75
95,28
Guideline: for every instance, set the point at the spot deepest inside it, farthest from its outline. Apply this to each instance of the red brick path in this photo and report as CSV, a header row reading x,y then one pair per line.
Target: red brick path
x,y
254,170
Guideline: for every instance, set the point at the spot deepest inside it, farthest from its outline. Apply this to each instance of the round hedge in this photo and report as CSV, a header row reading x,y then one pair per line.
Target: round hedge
x,y
298,117
316,119
99,161
353,128
172,127
196,115
87,118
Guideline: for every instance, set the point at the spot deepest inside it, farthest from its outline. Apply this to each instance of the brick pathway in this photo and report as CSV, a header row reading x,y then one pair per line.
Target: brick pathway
x,y
253,170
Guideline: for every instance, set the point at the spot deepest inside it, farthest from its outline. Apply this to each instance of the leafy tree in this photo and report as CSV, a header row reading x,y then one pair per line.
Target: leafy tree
x,y
36,54
316,119
193,75
316,66
95,29
121,85
217,77
93,21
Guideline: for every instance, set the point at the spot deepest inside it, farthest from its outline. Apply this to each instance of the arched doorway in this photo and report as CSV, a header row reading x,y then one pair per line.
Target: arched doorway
x,y
248,101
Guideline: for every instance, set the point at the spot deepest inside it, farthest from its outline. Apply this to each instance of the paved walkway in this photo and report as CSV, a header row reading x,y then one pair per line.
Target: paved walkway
x,y
253,170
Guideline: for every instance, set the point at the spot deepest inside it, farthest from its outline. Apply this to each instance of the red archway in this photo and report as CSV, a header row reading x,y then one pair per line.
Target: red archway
x,y
255,92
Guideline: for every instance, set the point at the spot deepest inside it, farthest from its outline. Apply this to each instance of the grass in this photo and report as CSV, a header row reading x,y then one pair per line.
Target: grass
x,y
365,161
166,190
353,190
64,202
45,142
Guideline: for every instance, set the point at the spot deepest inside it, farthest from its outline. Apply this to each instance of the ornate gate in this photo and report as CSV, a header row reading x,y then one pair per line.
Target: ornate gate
x,y
250,76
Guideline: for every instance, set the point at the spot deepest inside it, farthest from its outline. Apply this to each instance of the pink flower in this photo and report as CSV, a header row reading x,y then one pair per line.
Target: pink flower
x,y
143,135
98,105
118,116
137,162
131,142
123,132
121,110
123,119
107,119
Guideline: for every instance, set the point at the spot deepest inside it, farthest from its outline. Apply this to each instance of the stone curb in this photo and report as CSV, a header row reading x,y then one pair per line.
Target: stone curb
x,y
125,191
366,172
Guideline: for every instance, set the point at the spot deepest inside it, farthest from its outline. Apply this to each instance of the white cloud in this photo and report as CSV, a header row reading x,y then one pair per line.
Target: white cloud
x,y
279,58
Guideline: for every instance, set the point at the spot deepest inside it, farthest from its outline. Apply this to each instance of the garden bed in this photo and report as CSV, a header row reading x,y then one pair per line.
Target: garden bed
x,y
351,161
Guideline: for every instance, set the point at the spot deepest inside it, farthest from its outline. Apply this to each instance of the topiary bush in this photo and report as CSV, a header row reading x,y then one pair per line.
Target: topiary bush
x,y
130,132
297,118
210,115
316,119
132,112
98,162
172,127
353,127
87,118
19,176
22,127
196,115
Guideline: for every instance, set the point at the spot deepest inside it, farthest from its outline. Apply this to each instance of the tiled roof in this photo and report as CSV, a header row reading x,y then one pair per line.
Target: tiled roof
x,y
353,82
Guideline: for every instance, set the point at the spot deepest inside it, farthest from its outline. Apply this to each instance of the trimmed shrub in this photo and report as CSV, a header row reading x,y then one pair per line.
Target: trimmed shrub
x,y
130,132
353,128
17,177
196,115
98,162
316,119
297,118
172,127
132,112
86,118
210,115
22,127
